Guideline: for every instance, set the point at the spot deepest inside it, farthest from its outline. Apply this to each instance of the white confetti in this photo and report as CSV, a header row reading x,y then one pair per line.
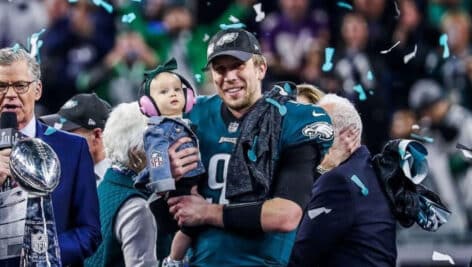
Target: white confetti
x,y
313,213
233,19
437,256
260,15
206,37
35,43
467,154
409,56
415,127
390,49
465,150
396,9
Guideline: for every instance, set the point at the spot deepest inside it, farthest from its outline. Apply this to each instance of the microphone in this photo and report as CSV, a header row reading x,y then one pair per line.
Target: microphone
x,y
9,133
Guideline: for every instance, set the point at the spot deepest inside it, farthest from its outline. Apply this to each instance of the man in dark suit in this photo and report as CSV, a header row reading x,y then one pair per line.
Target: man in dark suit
x,y
75,201
348,221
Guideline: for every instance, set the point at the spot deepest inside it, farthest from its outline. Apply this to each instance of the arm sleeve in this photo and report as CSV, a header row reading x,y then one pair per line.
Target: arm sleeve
x,y
296,173
84,235
136,229
329,216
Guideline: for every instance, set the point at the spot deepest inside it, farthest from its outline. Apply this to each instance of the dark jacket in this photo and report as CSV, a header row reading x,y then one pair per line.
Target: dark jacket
x,y
344,227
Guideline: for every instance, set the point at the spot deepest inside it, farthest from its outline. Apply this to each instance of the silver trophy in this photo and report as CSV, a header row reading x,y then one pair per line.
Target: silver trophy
x,y
36,168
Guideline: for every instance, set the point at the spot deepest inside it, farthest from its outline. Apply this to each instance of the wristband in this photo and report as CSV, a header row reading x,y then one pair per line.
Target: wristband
x,y
244,217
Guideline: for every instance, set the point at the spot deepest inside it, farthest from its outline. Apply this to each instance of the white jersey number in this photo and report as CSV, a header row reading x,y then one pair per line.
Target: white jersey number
x,y
216,177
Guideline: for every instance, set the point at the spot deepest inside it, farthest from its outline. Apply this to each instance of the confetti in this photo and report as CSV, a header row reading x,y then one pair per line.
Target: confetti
x,y
128,18
136,0
358,182
396,9
73,1
16,47
282,108
360,90
232,26
328,65
370,75
34,44
390,49
313,213
437,256
206,37
443,41
50,130
465,150
422,138
409,56
344,5
260,15
198,78
233,19
287,88
415,127
251,153
104,4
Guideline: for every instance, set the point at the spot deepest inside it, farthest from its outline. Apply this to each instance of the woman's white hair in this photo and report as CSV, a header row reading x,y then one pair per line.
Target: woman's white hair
x,y
124,132
341,111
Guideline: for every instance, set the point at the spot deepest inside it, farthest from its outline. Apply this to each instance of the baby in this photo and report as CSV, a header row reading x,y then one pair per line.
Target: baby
x,y
166,96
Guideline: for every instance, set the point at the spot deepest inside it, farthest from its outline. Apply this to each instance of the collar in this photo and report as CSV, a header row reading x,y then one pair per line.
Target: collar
x,y
227,116
30,128
101,167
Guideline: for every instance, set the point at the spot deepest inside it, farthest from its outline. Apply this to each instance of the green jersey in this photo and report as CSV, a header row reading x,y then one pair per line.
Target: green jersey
x,y
303,123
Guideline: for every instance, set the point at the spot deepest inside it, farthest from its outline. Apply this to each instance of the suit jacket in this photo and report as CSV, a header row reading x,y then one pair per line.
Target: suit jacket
x,y
75,200
343,227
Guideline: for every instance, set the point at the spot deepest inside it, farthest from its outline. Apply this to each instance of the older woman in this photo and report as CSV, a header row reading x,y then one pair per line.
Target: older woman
x,y
128,226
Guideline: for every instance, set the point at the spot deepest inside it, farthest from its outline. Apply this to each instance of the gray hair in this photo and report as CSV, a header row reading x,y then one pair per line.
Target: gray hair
x,y
342,113
11,55
124,131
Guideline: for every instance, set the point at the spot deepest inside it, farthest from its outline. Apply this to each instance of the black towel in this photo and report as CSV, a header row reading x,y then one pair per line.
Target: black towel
x,y
410,202
252,163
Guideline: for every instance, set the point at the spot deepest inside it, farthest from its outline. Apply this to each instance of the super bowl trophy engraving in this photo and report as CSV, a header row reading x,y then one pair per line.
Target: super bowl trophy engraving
x,y
36,168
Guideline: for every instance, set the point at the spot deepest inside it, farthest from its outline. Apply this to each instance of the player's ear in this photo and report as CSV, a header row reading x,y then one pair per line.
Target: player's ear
x,y
261,70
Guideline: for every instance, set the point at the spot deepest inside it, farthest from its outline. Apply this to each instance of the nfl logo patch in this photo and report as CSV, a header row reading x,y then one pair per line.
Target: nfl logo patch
x,y
233,127
156,159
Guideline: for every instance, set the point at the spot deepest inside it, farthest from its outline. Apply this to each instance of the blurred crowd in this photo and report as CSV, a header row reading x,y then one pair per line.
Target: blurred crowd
x,y
405,64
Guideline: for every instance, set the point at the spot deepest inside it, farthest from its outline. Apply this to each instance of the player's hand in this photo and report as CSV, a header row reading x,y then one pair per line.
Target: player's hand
x,y
184,160
189,210
4,164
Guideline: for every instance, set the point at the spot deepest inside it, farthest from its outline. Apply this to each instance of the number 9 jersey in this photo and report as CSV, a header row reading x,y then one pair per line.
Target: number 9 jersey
x,y
217,131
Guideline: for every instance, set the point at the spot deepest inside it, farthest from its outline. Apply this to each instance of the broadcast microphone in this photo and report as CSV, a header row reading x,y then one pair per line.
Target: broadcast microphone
x,y
9,133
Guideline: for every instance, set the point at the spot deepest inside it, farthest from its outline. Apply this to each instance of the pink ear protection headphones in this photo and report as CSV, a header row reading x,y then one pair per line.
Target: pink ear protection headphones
x,y
148,106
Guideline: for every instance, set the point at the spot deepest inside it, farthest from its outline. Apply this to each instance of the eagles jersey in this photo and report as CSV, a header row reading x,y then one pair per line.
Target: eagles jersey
x,y
213,246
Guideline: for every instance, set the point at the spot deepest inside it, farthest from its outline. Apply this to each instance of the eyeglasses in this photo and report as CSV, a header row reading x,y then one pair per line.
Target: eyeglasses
x,y
20,87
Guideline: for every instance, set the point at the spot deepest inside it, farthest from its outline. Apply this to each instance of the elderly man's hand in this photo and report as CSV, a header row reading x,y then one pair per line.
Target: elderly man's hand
x,y
4,165
344,145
